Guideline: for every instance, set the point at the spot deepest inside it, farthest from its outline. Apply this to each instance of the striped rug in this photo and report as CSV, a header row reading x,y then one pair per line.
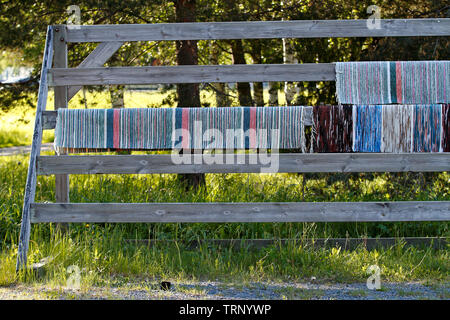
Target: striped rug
x,y
427,128
387,82
175,128
396,128
333,128
400,128
445,145
367,124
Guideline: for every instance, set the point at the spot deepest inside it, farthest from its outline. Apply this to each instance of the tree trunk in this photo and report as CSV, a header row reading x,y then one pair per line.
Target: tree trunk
x,y
273,94
188,94
243,88
258,90
219,87
117,96
289,58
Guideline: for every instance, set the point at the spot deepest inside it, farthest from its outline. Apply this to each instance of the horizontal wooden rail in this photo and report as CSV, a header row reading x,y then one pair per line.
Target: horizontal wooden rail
x,y
193,74
344,243
49,118
242,212
240,163
258,30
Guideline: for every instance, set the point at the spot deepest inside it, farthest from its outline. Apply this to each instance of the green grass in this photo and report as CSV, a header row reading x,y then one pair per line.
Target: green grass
x,y
100,252
104,257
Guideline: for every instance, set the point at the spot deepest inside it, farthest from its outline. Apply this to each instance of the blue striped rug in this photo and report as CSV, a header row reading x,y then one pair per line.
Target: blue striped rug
x,y
175,128
387,82
399,128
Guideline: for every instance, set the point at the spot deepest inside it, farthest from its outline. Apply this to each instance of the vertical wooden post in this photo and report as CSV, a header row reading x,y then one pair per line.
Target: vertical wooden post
x,y
61,101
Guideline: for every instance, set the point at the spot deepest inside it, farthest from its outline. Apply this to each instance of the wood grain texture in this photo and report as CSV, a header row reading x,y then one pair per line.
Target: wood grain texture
x,y
96,58
194,74
287,162
242,212
30,187
60,60
259,30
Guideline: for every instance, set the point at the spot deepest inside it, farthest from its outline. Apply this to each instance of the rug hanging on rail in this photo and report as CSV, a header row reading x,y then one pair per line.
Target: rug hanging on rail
x,y
387,82
333,128
382,128
79,130
403,128
446,128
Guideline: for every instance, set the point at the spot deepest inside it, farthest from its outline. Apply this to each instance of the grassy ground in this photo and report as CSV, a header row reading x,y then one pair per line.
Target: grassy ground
x,y
100,252
105,260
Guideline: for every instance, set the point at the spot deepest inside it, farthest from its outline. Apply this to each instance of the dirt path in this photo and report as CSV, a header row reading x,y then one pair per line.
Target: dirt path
x,y
23,149
199,290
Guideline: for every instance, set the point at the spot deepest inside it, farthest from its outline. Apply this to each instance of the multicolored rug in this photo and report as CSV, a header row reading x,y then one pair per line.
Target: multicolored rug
x,y
405,128
387,82
427,128
446,128
333,128
176,128
382,128
367,124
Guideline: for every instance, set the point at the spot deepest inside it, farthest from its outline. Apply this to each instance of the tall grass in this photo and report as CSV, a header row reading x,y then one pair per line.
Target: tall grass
x,y
229,188
105,260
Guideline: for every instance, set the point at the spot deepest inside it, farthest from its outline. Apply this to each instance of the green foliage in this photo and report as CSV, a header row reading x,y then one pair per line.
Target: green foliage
x,y
23,26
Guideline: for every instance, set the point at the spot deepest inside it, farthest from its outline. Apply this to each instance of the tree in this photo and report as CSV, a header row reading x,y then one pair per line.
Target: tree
x,y
188,94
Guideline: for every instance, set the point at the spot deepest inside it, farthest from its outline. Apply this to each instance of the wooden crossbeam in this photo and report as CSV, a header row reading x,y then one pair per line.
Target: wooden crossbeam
x,y
235,163
96,58
258,30
242,212
193,74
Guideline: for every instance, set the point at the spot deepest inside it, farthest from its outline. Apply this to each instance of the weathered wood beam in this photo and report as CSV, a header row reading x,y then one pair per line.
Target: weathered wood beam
x,y
242,212
240,163
96,58
60,60
30,186
259,30
194,74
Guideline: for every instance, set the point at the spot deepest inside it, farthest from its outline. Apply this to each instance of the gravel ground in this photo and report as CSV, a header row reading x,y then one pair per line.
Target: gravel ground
x,y
200,290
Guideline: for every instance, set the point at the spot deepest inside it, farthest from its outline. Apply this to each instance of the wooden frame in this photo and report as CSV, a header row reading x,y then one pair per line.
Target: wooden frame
x,y
30,187
68,81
